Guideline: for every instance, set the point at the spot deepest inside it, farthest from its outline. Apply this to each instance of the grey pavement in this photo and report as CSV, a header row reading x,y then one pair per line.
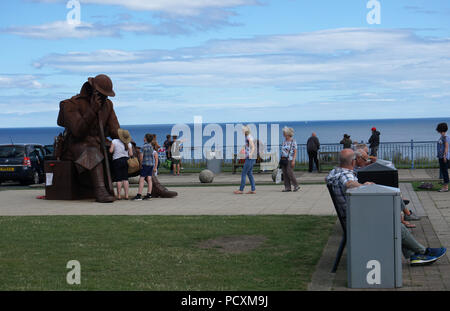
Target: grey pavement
x,y
432,230
309,200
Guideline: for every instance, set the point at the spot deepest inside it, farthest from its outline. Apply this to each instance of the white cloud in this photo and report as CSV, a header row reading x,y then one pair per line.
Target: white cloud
x,y
347,58
20,81
179,7
62,29
170,17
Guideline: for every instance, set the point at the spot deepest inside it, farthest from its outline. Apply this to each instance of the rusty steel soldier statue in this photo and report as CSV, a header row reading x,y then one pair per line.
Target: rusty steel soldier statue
x,y
89,118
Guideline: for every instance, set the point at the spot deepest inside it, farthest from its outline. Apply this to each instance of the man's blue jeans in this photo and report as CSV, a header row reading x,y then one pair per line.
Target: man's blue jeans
x,y
247,170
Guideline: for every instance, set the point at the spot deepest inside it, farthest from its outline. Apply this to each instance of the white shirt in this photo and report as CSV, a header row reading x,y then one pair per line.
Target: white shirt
x,y
119,149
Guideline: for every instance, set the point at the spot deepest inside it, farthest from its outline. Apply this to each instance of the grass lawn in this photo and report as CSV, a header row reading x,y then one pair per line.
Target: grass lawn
x,y
159,252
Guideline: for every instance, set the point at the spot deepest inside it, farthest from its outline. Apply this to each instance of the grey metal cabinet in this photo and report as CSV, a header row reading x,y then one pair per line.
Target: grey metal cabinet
x,y
374,237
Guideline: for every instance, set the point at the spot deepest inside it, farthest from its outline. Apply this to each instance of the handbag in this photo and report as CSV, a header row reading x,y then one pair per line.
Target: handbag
x,y
279,176
133,165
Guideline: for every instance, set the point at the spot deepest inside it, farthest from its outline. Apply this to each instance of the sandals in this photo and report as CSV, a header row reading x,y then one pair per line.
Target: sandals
x,y
443,190
251,192
238,192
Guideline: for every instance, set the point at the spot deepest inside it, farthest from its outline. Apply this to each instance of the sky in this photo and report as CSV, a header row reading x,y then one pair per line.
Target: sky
x,y
227,60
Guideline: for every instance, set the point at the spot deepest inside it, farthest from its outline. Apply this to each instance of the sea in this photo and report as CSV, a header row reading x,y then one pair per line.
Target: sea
x,y
328,132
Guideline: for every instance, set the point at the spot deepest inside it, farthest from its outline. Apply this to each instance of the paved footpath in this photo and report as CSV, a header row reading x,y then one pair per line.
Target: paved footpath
x,y
432,230
310,200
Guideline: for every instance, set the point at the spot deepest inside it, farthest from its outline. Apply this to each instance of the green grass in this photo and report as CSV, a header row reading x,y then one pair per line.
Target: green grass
x,y
159,252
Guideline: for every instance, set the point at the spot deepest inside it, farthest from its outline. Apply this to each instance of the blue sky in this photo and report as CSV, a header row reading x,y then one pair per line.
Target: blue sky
x,y
227,60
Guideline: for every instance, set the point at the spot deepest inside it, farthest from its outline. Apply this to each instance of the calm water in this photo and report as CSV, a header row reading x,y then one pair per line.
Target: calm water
x,y
401,130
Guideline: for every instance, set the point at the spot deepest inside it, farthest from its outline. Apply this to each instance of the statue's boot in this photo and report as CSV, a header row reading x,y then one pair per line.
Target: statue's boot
x,y
159,191
98,182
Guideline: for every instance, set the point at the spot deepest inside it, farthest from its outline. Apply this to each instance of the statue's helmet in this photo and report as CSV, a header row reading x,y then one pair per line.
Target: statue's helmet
x,y
103,84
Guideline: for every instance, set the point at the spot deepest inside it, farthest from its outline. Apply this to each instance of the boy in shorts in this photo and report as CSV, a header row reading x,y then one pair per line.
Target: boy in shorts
x,y
148,169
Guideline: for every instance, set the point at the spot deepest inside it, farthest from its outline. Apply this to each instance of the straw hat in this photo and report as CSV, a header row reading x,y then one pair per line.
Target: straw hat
x,y
124,136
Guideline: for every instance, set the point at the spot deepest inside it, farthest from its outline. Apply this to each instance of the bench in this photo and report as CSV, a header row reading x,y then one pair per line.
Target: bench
x,y
240,163
328,158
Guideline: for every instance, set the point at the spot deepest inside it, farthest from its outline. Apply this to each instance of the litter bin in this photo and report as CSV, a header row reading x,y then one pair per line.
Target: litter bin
x,y
214,161
381,172
374,237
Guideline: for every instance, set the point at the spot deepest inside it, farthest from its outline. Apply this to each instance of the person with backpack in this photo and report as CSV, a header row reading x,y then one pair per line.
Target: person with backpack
x,y
287,161
250,160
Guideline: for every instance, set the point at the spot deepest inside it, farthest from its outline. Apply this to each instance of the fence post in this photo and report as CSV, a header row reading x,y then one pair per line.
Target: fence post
x,y
412,154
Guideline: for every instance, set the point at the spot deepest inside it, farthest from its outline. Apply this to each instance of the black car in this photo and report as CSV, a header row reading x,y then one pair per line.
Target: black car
x,y
23,163
49,152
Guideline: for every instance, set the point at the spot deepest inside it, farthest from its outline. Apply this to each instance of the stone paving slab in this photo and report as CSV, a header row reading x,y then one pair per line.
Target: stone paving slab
x,y
269,200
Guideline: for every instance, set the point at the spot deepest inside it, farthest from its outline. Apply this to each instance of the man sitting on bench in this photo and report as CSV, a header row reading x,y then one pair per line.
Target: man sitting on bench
x,y
343,177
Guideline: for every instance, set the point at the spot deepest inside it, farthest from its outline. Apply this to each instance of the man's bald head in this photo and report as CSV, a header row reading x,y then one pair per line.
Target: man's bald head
x,y
313,134
346,158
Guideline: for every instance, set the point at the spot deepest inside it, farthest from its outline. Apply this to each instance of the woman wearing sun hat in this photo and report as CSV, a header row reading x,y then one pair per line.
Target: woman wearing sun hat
x,y
121,149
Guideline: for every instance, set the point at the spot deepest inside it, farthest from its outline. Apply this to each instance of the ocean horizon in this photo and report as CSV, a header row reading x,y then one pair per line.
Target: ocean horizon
x,y
328,132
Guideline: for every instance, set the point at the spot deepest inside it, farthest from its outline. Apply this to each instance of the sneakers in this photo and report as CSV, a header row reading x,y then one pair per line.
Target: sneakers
x,y
436,252
411,217
138,197
431,255
296,188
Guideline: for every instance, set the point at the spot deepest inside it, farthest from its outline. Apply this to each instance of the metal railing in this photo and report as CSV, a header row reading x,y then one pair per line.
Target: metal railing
x,y
412,154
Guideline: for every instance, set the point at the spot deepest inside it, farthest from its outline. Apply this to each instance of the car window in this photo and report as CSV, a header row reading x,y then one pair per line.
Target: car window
x,y
48,149
12,151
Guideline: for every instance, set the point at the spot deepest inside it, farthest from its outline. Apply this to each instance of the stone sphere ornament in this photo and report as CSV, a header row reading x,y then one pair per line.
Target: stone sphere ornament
x,y
206,176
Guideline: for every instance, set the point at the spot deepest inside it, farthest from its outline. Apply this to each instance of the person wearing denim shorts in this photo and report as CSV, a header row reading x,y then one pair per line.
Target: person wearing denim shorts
x,y
148,168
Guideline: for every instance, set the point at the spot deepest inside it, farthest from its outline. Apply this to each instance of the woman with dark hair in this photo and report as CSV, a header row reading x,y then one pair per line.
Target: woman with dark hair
x,y
443,154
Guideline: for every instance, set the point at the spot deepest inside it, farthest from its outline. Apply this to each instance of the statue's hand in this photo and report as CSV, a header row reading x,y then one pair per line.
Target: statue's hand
x,y
97,102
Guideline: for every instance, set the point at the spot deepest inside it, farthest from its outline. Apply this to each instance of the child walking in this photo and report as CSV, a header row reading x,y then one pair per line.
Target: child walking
x,y
148,169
